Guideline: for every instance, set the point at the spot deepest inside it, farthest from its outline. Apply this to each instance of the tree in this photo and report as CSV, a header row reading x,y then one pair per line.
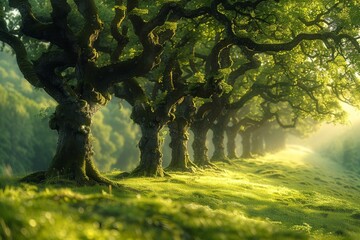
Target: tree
x,y
179,133
201,86
154,102
254,27
75,71
155,97
316,52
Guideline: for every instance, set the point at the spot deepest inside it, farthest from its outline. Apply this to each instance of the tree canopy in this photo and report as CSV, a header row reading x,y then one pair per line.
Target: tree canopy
x,y
295,60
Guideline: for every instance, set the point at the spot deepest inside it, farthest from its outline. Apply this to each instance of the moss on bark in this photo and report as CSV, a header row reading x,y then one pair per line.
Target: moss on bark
x,y
73,159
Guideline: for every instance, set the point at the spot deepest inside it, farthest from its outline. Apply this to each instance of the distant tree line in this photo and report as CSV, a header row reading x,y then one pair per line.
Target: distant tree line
x,y
237,67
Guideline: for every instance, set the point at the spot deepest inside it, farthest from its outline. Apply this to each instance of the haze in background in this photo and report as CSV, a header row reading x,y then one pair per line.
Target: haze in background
x,y
328,132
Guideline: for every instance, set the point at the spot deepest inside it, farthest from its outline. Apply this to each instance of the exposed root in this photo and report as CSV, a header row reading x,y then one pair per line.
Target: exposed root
x,y
209,165
96,176
189,167
123,175
144,173
181,169
105,181
167,175
224,160
37,177
232,156
141,171
45,177
247,156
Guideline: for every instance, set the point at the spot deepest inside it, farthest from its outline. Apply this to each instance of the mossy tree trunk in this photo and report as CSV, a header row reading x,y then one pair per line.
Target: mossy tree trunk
x,y
231,133
150,122
180,160
73,159
218,138
179,134
200,131
150,155
74,150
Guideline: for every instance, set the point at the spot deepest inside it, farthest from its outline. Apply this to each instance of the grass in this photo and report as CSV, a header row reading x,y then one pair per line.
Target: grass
x,y
295,194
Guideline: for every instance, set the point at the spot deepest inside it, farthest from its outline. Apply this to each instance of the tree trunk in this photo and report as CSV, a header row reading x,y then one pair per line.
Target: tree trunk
x,y
73,159
231,133
246,144
201,158
180,160
218,140
150,154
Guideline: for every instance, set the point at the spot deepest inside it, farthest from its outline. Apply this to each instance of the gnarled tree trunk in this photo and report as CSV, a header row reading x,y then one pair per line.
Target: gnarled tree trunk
x,y
231,133
201,158
180,160
218,139
150,155
73,159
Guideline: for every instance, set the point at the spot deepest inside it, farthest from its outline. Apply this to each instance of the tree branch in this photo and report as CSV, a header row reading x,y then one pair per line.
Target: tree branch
x,y
25,65
276,47
120,38
53,83
90,32
47,32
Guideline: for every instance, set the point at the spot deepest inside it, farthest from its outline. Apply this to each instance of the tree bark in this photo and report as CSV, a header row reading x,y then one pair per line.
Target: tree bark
x,y
231,133
180,160
201,158
246,144
73,159
150,155
218,139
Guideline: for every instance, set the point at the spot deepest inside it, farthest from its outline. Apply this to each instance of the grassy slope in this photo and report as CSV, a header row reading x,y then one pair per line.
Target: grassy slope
x,y
292,195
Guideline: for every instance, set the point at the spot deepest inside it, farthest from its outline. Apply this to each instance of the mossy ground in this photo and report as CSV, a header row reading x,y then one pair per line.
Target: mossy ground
x,y
295,194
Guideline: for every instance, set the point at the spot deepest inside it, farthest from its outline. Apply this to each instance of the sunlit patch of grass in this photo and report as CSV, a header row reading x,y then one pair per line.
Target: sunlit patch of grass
x,y
245,201
104,216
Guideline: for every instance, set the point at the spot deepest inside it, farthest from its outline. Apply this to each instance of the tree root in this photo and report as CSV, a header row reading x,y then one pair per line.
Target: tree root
x,y
182,169
37,177
123,175
190,167
94,175
91,180
209,165
143,172
224,160
247,156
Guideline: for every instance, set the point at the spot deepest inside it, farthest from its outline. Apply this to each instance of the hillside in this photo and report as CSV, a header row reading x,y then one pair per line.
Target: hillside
x,y
295,194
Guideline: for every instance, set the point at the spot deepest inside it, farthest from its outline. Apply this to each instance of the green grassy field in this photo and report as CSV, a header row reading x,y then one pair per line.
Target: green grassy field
x,y
295,194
